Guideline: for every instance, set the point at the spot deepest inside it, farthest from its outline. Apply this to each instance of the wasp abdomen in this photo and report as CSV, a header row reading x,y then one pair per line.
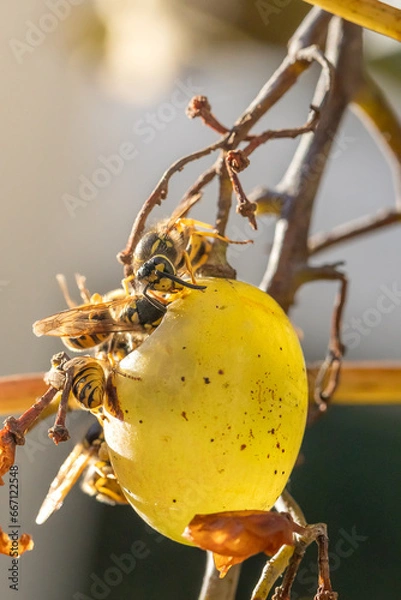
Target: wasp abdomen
x,y
88,381
82,342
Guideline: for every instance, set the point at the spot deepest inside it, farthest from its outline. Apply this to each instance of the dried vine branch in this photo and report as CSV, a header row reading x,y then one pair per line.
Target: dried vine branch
x,y
372,107
297,60
353,229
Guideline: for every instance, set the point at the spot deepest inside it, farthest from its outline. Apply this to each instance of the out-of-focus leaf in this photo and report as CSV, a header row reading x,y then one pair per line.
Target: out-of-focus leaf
x,y
372,14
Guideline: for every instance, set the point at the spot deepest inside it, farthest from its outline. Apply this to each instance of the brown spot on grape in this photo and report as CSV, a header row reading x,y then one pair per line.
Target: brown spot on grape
x,y
184,347
275,471
183,378
140,420
174,500
278,445
283,450
220,372
206,380
184,415
242,447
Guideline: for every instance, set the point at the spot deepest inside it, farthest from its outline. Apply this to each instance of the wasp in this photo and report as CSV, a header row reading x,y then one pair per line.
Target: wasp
x,y
173,249
134,318
117,324
90,459
101,319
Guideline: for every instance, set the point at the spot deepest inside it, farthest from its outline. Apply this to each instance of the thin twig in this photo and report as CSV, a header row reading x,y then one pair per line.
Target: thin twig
x,y
199,106
237,161
217,265
272,570
328,377
292,133
158,194
325,590
353,229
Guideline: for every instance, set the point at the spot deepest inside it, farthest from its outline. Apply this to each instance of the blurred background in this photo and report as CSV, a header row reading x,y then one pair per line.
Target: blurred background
x,y
85,81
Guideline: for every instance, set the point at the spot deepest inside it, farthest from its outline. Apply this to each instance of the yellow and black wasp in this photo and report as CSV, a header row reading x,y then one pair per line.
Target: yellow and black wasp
x,y
173,249
114,324
113,327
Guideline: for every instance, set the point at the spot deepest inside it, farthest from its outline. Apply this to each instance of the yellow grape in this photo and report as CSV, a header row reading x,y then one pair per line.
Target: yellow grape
x,y
211,408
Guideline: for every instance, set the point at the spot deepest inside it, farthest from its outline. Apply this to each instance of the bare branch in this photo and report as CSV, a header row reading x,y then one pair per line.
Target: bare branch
x,y
159,194
300,184
217,265
237,161
287,74
272,134
353,229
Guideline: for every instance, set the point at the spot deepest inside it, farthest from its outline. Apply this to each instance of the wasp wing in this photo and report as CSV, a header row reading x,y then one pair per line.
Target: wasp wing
x,y
87,319
182,209
69,473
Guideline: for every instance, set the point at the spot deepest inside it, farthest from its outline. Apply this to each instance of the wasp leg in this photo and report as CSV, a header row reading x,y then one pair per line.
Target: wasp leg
x,y
59,432
126,283
62,282
192,224
223,238
154,301
188,266
83,290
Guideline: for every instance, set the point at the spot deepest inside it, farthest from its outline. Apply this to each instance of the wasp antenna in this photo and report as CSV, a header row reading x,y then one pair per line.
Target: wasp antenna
x,y
153,301
193,286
